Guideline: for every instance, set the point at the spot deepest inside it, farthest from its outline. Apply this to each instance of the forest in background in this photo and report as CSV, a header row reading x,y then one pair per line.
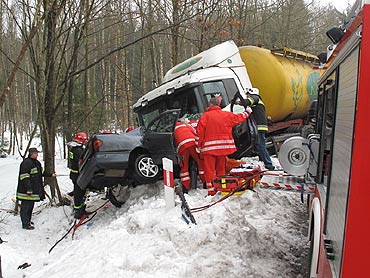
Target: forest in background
x,y
79,65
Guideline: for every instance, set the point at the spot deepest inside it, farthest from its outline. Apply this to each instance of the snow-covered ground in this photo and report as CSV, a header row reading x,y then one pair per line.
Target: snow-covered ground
x,y
260,234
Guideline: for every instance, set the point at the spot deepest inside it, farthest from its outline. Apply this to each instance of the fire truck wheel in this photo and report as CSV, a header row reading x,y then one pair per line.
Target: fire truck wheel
x,y
310,253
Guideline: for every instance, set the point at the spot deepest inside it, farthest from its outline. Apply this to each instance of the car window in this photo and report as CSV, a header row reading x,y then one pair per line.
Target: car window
x,y
164,123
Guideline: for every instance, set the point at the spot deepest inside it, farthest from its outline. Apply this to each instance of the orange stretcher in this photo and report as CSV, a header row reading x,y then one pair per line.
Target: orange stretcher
x,y
239,179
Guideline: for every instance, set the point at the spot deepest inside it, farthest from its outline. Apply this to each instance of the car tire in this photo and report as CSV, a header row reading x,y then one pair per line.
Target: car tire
x,y
145,170
118,194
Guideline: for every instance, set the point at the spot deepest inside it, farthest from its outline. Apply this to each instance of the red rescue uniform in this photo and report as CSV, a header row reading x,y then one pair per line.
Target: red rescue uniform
x,y
185,141
215,141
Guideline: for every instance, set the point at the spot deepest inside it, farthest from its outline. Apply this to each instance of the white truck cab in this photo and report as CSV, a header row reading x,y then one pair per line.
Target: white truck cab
x,y
190,84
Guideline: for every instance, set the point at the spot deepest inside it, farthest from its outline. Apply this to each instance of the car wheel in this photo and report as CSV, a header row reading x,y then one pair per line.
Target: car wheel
x,y
118,194
145,170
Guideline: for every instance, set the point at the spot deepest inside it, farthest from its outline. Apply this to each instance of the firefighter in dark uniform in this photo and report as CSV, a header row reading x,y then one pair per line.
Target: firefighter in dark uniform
x,y
76,148
259,114
30,187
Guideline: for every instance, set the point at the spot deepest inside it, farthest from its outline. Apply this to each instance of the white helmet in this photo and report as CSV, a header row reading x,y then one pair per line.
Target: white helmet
x,y
253,91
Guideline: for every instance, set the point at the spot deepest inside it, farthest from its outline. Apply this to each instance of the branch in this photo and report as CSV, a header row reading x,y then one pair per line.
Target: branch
x,y
26,44
132,43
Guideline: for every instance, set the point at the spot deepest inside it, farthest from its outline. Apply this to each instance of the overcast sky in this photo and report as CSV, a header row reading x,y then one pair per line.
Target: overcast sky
x,y
339,4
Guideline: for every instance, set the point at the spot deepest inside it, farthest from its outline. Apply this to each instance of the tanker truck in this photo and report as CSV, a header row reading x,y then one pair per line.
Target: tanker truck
x,y
286,79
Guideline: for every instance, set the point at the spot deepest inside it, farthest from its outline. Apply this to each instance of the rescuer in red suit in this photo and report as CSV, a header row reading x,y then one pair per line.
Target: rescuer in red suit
x,y
215,140
185,142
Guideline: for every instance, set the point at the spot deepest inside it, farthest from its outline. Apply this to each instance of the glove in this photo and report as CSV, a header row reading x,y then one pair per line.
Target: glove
x,y
29,192
248,110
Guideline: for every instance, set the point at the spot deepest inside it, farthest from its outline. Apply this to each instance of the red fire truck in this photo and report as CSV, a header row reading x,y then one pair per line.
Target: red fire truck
x,y
335,159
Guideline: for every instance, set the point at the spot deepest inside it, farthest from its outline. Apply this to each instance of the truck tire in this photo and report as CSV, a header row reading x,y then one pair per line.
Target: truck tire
x,y
145,170
118,194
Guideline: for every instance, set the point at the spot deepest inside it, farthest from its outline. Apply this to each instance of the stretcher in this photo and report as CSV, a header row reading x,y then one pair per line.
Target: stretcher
x,y
239,179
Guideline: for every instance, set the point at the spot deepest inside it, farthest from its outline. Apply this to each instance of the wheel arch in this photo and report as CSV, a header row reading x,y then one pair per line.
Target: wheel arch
x,y
134,153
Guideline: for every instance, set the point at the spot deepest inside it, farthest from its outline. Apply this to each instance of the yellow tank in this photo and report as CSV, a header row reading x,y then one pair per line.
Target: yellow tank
x,y
286,79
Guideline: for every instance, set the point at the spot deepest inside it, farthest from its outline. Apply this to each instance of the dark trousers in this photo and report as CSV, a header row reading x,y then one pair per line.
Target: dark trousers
x,y
78,193
262,151
26,212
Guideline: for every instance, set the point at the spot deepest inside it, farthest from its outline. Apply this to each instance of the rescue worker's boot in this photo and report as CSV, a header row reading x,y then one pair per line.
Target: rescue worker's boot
x,y
270,167
79,212
28,227
211,189
184,189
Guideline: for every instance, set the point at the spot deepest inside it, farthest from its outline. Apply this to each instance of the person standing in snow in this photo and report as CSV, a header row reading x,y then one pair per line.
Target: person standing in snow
x,y
259,114
185,135
215,140
30,187
76,148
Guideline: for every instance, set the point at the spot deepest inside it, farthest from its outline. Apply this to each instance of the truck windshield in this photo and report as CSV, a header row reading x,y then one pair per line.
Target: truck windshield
x,y
215,88
149,113
187,99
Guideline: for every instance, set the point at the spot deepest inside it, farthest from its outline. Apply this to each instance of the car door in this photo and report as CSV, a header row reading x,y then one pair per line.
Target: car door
x,y
158,137
245,134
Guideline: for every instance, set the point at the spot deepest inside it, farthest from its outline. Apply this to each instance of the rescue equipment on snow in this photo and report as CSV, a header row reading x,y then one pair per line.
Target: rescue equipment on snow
x,y
186,212
23,266
253,175
76,224
241,178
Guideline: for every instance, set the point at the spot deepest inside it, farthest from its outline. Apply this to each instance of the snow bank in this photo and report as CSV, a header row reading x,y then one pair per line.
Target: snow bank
x,y
259,234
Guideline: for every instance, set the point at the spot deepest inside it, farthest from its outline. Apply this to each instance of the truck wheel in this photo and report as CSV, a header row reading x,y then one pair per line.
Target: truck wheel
x,y
145,170
118,194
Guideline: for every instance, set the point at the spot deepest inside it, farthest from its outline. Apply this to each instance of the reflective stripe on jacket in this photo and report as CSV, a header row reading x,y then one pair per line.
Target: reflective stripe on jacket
x,y
259,113
214,131
184,136
75,153
30,180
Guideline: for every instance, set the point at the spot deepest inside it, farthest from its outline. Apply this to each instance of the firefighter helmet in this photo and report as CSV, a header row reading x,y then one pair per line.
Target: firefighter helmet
x,y
80,137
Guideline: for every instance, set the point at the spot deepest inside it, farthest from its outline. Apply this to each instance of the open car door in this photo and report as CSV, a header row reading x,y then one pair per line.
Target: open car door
x,y
245,134
159,139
